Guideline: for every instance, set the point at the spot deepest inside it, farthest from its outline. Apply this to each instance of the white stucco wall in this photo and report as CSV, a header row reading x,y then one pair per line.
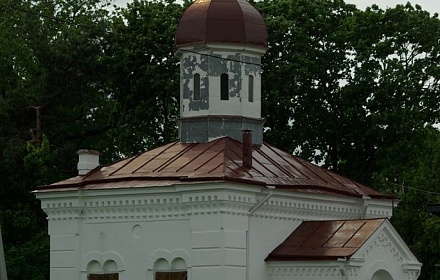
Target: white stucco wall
x,y
206,228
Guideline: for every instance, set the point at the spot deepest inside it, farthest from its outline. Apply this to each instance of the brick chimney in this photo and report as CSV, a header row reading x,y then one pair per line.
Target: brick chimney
x,y
247,148
87,161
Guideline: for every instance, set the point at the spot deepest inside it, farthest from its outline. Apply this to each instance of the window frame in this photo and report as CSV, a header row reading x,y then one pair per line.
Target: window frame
x,y
171,275
103,276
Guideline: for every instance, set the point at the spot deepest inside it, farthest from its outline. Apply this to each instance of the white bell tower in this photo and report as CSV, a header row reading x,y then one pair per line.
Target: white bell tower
x,y
220,44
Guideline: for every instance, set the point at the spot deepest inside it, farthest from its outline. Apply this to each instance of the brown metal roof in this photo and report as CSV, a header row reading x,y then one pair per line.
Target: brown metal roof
x,y
325,240
218,160
221,21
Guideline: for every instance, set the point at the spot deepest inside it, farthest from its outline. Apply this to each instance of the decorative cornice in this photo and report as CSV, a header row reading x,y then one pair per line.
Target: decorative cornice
x,y
323,270
382,241
181,203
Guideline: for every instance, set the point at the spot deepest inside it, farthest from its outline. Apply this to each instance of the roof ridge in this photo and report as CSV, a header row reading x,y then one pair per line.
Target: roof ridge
x,y
210,159
277,164
228,151
197,156
155,156
171,159
298,159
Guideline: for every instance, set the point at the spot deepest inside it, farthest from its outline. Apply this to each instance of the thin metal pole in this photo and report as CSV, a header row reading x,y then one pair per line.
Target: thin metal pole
x,y
3,274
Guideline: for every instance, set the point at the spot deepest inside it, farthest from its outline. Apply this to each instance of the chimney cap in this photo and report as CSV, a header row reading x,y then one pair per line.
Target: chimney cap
x,y
88,152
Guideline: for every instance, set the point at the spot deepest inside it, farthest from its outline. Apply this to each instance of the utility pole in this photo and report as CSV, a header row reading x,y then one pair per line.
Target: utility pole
x,y
36,132
3,274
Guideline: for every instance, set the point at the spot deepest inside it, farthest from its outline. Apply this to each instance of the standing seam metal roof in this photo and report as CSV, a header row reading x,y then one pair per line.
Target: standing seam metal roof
x,y
325,240
218,160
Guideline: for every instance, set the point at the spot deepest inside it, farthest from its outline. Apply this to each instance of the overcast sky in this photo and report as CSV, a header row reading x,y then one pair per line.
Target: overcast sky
x,y
433,6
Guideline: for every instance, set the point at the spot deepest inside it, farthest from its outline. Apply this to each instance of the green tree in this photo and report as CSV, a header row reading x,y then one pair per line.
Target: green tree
x,y
396,74
349,86
143,75
50,61
304,72
85,79
417,186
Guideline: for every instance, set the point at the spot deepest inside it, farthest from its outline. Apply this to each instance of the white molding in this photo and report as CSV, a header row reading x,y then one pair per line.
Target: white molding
x,y
385,241
179,202
101,258
170,257
302,269
205,48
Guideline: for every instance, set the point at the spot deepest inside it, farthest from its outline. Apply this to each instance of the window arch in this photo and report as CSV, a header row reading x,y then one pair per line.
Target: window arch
x,y
196,86
381,275
177,270
98,266
108,272
224,86
251,89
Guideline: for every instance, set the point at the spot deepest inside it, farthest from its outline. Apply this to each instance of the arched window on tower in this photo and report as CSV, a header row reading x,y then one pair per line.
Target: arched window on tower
x,y
251,89
196,87
224,86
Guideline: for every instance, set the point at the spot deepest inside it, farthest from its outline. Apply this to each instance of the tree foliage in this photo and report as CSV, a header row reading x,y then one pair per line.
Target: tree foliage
x,y
146,95
418,186
349,85
356,91
75,75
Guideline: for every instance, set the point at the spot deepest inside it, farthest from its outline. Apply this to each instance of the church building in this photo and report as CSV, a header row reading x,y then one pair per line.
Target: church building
x,y
220,203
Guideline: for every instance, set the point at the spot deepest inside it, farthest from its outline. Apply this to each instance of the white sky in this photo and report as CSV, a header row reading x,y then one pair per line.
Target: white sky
x,y
433,6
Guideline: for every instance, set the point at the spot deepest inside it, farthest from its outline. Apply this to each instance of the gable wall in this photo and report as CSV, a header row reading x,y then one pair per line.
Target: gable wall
x,y
385,251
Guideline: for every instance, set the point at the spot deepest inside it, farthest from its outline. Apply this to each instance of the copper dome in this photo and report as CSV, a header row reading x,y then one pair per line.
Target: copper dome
x,y
221,21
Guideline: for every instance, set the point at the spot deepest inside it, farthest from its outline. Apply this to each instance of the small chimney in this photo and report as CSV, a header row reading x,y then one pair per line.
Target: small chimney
x,y
88,160
247,148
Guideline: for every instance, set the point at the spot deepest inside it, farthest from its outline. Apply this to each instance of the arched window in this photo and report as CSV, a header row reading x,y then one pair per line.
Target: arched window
x,y
251,89
177,270
109,271
196,86
224,86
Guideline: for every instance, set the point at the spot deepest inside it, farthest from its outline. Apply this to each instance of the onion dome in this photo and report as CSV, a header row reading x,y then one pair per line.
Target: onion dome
x,y
221,21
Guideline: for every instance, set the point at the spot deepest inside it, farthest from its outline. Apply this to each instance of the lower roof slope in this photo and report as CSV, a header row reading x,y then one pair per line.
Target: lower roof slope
x,y
325,240
218,160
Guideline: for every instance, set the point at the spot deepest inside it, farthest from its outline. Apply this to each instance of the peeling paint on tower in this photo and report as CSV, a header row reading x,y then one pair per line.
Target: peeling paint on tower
x,y
206,115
